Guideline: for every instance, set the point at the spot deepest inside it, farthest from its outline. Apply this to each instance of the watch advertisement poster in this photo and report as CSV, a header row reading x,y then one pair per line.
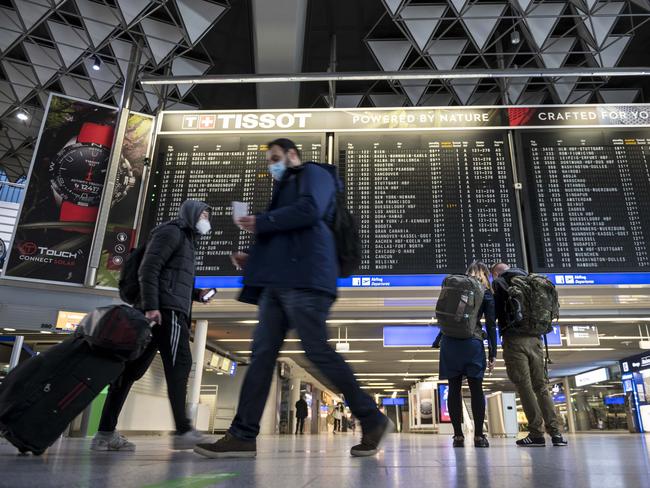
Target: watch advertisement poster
x,y
120,231
425,391
55,227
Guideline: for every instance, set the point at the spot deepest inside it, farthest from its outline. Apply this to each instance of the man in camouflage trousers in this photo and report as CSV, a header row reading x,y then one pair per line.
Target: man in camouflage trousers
x,y
524,359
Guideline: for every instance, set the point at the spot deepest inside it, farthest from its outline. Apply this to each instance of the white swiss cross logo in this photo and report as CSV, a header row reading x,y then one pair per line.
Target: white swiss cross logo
x,y
208,121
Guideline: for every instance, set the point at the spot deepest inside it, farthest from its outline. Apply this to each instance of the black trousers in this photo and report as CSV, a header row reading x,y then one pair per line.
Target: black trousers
x,y
172,339
455,404
300,425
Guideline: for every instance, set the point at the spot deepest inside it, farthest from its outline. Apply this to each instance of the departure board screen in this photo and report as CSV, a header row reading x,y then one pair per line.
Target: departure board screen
x,y
587,199
431,202
217,170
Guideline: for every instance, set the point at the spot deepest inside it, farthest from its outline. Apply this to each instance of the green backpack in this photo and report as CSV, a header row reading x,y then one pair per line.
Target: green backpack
x,y
532,305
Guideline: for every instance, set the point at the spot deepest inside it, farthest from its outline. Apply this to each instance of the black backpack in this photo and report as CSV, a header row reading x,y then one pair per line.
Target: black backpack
x,y
129,283
459,305
347,239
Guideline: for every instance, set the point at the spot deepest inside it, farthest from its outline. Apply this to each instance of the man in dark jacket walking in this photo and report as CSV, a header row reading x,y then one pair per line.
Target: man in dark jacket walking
x,y
166,278
291,274
524,359
302,412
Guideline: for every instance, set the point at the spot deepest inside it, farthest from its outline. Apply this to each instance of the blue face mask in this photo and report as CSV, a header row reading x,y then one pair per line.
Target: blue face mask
x,y
277,170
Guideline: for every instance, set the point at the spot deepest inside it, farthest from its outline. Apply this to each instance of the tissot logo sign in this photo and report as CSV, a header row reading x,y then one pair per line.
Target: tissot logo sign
x,y
227,121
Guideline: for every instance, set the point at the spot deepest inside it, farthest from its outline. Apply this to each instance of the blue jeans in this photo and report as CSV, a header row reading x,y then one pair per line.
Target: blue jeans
x,y
281,309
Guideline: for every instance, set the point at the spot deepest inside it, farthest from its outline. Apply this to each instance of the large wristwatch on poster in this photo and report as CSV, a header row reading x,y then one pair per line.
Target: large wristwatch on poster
x,y
78,173
124,181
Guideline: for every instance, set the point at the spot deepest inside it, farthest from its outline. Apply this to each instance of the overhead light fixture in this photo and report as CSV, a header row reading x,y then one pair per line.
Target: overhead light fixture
x,y
22,115
9,329
97,63
515,37
423,74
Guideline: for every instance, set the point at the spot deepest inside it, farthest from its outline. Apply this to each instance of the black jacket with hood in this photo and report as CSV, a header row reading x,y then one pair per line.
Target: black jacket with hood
x,y
167,271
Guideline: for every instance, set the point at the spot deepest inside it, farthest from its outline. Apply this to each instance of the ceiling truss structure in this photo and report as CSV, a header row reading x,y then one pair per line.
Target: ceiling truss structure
x,y
501,34
52,45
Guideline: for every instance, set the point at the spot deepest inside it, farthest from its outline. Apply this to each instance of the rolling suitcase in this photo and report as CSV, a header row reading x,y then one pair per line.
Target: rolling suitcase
x,y
40,397
44,394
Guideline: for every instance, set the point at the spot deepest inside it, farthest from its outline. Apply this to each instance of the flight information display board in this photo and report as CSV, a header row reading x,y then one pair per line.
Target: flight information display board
x,y
218,171
588,203
431,202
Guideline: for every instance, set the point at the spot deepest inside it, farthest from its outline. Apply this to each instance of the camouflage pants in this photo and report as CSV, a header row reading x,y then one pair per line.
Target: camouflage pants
x,y
524,358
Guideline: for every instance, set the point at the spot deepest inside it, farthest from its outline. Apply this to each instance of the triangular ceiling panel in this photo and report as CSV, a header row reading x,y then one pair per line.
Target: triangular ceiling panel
x,y
67,39
393,5
421,21
414,91
348,100
516,87
187,67
643,3
564,87
437,100
76,87
100,20
603,20
524,4
138,102
45,61
181,106
161,37
480,21
557,51
459,5
122,52
104,79
580,96
22,78
10,28
485,98
153,98
445,53
31,11
464,88
198,16
132,8
387,100
390,54
619,96
542,20
613,51
533,98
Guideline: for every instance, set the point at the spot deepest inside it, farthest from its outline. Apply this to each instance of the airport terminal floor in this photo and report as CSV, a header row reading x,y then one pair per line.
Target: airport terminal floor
x,y
407,460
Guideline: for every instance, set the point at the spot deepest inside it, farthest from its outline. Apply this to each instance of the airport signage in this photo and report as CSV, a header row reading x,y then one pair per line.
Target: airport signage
x,y
635,364
582,335
416,118
592,377
398,402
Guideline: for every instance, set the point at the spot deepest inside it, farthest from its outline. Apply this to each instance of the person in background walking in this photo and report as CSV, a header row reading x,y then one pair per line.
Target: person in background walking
x,y
302,412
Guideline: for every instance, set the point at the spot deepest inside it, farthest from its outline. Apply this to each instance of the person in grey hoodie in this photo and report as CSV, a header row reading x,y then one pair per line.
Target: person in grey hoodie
x,y
166,278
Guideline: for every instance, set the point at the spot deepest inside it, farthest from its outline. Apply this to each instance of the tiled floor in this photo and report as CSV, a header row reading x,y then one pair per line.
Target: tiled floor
x,y
591,460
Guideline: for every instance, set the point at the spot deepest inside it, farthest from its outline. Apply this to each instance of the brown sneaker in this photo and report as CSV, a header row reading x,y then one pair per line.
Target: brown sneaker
x,y
228,446
370,441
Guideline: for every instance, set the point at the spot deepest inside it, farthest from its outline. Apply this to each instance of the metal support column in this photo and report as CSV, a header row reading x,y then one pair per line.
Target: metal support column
x,y
109,184
569,406
196,375
15,352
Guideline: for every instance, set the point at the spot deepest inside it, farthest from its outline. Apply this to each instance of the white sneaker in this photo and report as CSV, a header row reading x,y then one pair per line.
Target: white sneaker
x,y
111,441
188,440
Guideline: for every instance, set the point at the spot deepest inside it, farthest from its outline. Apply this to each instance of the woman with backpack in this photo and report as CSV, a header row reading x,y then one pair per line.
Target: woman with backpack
x,y
465,357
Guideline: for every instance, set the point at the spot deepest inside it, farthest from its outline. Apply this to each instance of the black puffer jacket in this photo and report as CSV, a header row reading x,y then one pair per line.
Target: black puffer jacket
x,y
167,270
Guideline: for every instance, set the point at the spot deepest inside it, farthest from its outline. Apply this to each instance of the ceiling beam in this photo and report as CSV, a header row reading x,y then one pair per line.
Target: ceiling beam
x,y
279,33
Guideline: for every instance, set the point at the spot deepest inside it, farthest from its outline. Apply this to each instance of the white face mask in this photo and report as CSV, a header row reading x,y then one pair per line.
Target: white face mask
x,y
203,226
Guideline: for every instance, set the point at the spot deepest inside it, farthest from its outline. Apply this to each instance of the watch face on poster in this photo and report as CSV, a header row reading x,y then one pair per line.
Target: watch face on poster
x,y
78,172
124,181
